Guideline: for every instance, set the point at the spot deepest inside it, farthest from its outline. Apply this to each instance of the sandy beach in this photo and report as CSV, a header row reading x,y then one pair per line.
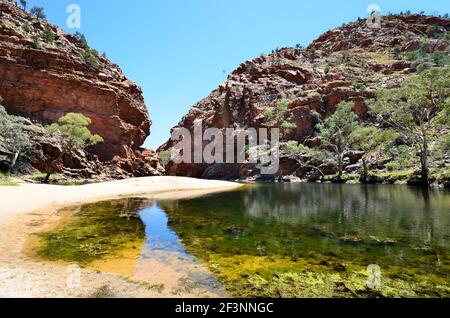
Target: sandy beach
x,y
27,208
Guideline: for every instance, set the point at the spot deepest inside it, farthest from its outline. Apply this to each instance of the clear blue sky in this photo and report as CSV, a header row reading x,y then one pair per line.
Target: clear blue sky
x,y
177,50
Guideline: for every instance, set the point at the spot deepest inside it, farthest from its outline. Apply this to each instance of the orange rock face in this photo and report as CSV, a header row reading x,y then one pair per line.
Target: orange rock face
x,y
347,64
49,80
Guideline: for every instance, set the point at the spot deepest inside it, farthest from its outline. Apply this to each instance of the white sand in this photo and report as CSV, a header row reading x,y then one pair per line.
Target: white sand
x,y
27,208
32,197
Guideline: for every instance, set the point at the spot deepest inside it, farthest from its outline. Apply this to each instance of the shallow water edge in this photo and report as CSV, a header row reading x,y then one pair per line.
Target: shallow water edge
x,y
272,240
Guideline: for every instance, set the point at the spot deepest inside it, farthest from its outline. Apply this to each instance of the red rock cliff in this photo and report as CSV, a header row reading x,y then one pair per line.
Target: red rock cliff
x,y
349,63
46,81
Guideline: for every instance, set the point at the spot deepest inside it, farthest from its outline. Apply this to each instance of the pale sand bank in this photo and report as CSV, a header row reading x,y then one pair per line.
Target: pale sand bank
x,y
31,197
28,208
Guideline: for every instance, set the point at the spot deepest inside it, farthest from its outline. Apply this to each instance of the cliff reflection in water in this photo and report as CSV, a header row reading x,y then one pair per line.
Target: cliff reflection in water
x,y
388,225
397,211
274,240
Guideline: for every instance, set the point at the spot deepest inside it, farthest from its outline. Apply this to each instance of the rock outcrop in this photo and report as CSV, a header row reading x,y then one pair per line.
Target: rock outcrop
x,y
349,63
44,80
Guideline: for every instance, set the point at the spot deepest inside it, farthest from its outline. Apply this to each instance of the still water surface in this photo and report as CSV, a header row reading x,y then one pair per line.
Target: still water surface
x,y
282,240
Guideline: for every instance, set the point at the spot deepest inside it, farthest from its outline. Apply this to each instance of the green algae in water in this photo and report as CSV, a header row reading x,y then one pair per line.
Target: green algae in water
x,y
308,240
95,231
290,240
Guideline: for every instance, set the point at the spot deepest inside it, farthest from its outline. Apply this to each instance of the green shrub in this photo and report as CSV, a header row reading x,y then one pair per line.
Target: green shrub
x,y
38,12
165,157
440,58
268,114
26,27
359,86
278,113
90,59
80,37
401,158
36,42
287,127
443,147
7,181
48,36
14,137
316,117
422,56
397,52
295,148
74,128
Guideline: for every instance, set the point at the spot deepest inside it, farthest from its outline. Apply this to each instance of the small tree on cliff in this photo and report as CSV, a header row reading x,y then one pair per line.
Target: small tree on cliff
x,y
75,134
335,132
80,37
24,4
38,12
419,109
278,113
306,157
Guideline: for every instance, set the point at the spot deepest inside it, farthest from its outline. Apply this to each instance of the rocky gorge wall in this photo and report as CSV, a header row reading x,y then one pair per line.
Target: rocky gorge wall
x,y
44,81
350,63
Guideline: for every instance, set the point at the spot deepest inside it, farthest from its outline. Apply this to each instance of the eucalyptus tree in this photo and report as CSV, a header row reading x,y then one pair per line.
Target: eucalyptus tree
x,y
38,12
419,110
24,4
13,136
336,131
73,132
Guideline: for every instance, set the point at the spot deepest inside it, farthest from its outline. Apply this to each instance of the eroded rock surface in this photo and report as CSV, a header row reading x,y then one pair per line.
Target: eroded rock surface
x,y
350,63
44,81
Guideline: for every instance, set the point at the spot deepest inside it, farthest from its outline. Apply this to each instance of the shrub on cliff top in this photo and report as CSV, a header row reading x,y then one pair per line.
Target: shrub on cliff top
x,y
80,37
38,12
24,4
90,58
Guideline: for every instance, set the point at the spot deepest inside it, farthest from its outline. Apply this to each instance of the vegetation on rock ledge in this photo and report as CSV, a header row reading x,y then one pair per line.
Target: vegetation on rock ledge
x,y
407,122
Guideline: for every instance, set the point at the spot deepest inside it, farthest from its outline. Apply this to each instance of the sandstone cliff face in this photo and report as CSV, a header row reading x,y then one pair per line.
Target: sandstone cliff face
x,y
47,81
346,64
